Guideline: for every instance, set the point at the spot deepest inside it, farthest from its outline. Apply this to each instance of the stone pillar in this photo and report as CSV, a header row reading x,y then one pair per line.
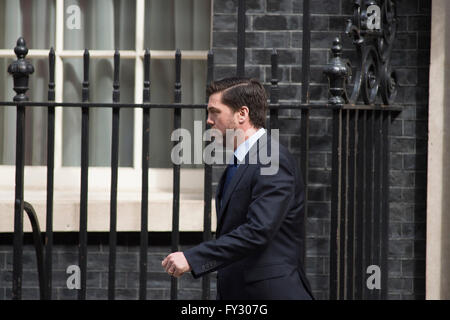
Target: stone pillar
x,y
438,193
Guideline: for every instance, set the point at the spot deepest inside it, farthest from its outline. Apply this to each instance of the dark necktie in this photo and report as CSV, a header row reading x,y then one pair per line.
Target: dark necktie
x,y
231,170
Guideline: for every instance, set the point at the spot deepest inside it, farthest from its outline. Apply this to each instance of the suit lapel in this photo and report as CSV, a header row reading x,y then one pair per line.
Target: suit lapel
x,y
226,197
236,178
218,191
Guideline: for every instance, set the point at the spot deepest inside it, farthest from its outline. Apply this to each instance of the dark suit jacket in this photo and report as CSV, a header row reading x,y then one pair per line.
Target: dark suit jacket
x,y
258,248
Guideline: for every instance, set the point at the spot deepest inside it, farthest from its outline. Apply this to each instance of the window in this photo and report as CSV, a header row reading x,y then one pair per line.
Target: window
x,y
70,26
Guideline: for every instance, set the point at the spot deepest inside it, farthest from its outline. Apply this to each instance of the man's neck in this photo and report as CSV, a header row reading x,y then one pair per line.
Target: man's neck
x,y
248,133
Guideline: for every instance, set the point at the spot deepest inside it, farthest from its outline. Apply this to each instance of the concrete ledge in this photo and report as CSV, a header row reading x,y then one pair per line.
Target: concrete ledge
x,y
66,211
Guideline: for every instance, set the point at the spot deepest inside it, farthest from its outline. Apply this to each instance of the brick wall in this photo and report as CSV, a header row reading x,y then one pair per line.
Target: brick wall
x,y
409,154
65,253
277,24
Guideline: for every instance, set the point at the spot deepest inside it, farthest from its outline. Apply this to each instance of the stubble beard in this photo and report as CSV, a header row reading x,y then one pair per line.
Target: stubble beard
x,y
231,125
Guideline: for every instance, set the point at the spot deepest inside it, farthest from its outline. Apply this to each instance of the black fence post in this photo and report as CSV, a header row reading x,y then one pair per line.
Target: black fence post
x,y
145,164
114,180
84,178
50,175
20,70
176,175
39,248
274,91
335,203
385,206
207,194
240,63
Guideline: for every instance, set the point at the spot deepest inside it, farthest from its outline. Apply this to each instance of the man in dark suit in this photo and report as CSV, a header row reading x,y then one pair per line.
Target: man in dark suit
x,y
258,248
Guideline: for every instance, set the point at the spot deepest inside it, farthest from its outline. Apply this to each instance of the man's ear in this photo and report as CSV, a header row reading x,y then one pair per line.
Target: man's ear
x,y
243,114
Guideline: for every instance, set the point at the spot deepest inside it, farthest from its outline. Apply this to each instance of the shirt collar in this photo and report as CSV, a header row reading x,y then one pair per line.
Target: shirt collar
x,y
242,150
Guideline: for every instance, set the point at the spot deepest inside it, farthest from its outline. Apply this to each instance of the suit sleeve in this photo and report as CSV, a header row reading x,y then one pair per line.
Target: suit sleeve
x,y
271,196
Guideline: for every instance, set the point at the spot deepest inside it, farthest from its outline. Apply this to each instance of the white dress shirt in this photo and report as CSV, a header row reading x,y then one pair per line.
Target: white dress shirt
x,y
242,150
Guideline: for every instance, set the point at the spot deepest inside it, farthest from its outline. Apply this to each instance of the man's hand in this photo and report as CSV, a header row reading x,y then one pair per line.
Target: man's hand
x,y
176,264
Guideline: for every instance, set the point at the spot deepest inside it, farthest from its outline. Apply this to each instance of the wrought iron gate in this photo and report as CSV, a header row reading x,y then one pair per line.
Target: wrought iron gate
x,y
360,154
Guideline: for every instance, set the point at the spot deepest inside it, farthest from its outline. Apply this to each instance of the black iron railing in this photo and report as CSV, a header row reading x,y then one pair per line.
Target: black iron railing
x,y
360,157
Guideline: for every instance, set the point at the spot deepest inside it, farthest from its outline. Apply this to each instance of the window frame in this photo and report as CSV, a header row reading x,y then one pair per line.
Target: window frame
x,y
129,177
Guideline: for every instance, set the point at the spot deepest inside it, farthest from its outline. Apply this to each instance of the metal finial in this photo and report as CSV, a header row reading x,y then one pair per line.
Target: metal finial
x,y
337,71
20,70
21,49
337,47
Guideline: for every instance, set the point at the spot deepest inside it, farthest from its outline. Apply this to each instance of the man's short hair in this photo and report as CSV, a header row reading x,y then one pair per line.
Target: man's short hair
x,y
238,92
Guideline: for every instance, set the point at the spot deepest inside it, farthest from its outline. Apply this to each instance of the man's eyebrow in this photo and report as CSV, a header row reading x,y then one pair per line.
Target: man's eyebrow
x,y
211,108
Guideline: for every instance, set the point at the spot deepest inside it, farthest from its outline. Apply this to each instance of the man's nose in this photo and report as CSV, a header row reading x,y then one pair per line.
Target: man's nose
x,y
209,121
